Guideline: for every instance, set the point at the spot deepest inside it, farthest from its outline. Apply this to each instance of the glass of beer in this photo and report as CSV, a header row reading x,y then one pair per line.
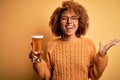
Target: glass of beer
x,y
37,42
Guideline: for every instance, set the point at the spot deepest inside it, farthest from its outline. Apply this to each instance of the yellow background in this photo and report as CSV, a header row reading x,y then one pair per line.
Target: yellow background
x,y
19,19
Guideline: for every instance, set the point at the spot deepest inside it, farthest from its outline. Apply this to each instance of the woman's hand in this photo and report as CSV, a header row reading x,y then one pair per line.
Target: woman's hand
x,y
35,56
104,48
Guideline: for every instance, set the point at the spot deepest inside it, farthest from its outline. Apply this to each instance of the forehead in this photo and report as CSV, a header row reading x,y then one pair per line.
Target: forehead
x,y
69,13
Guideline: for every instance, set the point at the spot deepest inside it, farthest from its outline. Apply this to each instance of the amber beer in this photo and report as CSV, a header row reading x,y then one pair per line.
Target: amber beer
x,y
37,42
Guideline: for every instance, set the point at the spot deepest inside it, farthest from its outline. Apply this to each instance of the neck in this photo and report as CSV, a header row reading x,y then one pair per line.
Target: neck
x,y
69,38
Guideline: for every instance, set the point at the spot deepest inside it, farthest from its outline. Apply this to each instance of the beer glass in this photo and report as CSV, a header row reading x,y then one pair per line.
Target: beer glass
x,y
37,42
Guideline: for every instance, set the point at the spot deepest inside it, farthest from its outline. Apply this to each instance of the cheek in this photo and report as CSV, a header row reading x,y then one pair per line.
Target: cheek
x,y
62,25
76,25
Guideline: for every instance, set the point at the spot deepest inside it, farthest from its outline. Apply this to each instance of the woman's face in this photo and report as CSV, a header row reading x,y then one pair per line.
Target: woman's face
x,y
69,23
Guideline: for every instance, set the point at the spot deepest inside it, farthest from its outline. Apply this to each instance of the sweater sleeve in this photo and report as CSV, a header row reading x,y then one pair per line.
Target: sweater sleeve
x,y
42,69
98,64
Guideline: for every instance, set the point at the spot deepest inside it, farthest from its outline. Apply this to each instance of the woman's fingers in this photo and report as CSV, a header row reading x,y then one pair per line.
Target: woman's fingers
x,y
112,43
115,41
31,44
105,48
34,54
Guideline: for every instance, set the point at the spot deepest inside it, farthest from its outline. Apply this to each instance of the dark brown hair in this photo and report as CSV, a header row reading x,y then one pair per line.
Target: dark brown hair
x,y
80,12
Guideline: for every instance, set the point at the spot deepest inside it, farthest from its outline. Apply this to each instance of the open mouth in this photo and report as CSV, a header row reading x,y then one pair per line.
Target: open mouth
x,y
69,27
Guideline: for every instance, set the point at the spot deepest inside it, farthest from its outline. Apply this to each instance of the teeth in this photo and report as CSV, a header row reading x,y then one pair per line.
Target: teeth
x,y
69,27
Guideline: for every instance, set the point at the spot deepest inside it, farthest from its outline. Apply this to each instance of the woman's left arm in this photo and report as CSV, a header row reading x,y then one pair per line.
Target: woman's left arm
x,y
101,60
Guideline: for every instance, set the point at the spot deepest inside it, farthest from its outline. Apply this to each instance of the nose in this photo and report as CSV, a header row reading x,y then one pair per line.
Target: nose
x,y
69,20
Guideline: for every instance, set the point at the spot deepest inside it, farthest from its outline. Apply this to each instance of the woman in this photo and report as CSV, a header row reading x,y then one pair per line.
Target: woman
x,y
72,56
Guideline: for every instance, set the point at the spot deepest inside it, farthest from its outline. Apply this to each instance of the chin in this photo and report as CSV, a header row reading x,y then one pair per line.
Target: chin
x,y
70,34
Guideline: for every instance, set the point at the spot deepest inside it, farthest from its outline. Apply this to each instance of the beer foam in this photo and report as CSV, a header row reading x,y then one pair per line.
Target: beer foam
x,y
37,36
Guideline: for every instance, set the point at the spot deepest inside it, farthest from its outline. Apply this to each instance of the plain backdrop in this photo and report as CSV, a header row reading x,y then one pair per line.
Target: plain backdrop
x,y
19,19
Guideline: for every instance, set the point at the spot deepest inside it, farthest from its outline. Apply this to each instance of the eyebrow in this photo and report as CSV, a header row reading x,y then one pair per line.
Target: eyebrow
x,y
68,16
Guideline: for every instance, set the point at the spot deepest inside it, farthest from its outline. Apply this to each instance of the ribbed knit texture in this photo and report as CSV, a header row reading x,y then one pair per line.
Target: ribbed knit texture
x,y
71,60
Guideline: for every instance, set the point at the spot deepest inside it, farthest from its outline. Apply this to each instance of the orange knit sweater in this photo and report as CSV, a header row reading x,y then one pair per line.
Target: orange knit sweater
x,y
76,60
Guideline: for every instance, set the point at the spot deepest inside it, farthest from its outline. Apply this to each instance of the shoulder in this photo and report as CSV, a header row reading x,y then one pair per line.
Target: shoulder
x,y
90,45
85,39
51,44
88,42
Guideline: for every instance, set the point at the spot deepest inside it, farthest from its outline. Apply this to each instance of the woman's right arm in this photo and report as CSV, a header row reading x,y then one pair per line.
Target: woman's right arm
x,y
42,69
40,64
